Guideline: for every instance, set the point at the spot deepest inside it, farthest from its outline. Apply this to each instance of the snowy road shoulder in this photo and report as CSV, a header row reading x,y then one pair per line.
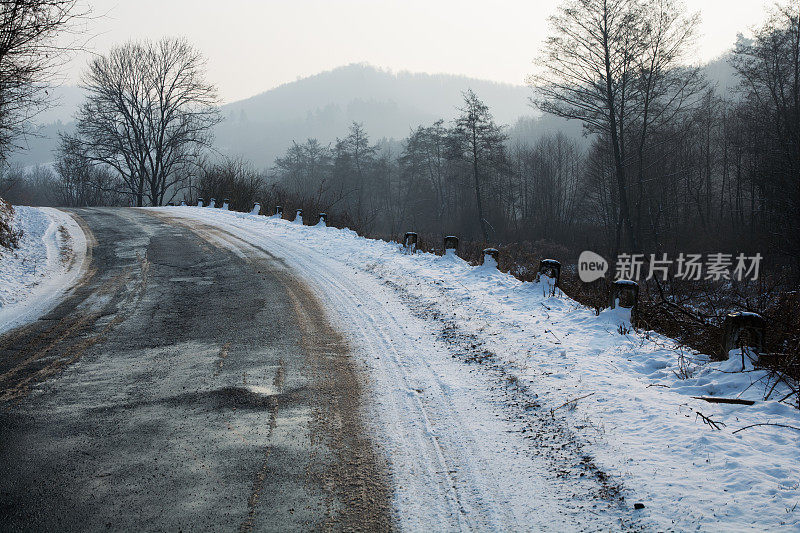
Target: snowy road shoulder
x,y
572,405
50,259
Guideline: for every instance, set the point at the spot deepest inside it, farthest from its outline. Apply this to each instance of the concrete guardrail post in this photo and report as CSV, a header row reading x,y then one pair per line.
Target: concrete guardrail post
x,y
550,268
410,242
625,293
199,202
323,219
279,211
256,209
212,203
298,217
741,330
226,204
491,257
450,243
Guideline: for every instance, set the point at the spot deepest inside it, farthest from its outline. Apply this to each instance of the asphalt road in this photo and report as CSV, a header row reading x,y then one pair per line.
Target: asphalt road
x,y
185,384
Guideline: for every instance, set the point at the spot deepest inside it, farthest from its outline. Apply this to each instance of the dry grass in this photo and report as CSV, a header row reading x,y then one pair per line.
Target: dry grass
x,y
9,237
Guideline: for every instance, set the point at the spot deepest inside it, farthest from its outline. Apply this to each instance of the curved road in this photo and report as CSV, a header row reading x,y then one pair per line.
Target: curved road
x,y
183,385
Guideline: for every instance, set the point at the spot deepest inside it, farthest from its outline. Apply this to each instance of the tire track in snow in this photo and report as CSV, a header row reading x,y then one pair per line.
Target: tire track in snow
x,y
552,436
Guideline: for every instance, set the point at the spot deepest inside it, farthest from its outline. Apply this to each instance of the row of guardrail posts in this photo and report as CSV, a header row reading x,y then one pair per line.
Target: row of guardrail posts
x,y
322,220
623,292
739,329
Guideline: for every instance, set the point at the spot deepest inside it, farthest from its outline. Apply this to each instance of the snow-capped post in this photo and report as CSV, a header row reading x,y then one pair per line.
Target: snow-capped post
x,y
279,211
199,202
225,204
212,203
490,257
550,268
323,219
183,203
410,242
625,293
298,217
256,209
743,329
450,243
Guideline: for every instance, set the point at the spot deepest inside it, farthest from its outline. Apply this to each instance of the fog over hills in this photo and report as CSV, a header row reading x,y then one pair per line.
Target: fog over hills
x,y
324,105
320,106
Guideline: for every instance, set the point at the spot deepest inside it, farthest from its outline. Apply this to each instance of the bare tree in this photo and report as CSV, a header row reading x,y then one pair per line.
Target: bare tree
x,y
587,73
357,175
664,86
8,180
481,141
28,55
769,67
80,182
148,116
423,168
233,179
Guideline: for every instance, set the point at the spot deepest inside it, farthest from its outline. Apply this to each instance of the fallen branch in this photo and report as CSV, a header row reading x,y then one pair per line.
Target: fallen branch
x,y
572,401
707,420
767,424
712,399
553,334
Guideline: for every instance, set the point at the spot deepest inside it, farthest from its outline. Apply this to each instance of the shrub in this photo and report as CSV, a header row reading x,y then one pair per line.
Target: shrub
x,y
9,237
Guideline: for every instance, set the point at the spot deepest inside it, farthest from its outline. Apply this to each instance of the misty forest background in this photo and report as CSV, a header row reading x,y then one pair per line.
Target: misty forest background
x,y
618,144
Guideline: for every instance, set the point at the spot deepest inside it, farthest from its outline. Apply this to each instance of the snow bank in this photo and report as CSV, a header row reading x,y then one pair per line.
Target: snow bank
x,y
628,395
48,262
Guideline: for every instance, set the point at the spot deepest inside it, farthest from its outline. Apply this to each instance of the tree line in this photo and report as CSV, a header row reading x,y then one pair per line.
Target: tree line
x,y
672,163
669,164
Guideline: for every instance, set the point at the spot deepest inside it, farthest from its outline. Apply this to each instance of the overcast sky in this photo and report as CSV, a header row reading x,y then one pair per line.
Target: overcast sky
x,y
253,45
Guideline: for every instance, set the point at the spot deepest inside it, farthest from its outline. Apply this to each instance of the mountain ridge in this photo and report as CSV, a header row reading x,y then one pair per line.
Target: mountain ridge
x,y
322,106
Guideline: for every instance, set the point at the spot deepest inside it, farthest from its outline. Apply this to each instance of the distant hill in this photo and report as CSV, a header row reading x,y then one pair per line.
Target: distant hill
x,y
324,105
320,106
64,102
37,149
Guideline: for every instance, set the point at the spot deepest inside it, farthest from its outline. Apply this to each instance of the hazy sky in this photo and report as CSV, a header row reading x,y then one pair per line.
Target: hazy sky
x,y
253,46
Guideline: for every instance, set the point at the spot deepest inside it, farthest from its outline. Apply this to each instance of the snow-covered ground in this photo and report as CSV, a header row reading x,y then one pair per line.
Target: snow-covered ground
x,y
48,262
502,407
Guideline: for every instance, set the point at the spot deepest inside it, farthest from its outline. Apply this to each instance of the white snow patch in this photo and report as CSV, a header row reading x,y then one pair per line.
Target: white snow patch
x,y
49,261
